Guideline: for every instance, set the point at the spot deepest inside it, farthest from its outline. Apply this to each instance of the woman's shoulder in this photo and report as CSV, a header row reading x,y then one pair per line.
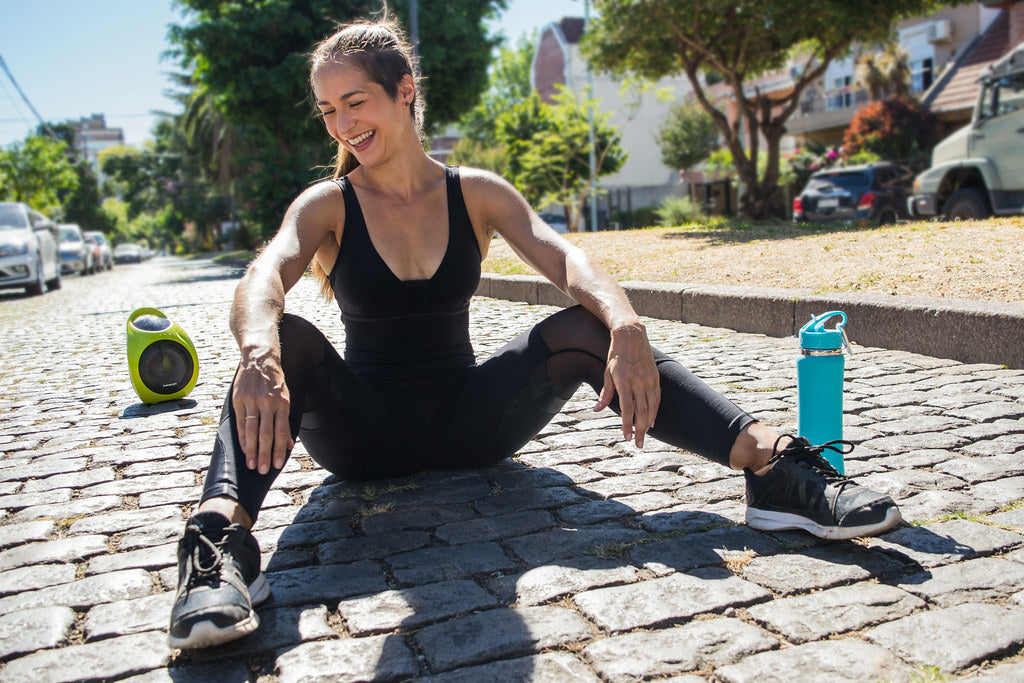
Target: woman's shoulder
x,y
479,184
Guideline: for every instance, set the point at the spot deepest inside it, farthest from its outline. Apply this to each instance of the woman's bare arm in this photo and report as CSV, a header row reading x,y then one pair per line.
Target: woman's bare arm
x,y
260,397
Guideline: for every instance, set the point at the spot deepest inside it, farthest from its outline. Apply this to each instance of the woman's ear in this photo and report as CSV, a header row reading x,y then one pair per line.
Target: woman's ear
x,y
407,90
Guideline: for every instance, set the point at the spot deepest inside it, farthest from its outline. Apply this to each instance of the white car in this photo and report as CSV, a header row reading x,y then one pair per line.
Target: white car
x,y
75,252
29,249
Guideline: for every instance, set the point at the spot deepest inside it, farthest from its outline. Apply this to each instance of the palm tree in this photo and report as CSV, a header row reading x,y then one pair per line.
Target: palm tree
x,y
884,73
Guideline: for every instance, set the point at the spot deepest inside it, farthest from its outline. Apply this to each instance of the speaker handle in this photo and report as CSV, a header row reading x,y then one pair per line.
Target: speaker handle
x,y
144,311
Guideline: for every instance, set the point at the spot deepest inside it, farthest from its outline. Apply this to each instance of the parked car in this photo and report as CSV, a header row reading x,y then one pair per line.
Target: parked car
x,y
874,192
29,251
102,255
978,171
126,252
556,221
75,253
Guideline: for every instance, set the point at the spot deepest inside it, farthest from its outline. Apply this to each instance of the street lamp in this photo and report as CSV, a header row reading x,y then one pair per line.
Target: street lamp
x,y
591,188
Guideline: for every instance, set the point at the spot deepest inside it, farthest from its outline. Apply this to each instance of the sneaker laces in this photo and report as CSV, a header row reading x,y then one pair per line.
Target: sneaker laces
x,y
800,450
197,570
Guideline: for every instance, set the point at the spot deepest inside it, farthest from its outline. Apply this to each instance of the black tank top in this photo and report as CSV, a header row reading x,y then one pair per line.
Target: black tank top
x,y
399,330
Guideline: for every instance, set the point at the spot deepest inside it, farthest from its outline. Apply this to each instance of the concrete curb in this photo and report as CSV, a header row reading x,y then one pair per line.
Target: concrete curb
x,y
967,331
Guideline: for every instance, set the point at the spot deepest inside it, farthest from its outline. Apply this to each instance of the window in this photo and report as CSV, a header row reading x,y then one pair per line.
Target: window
x,y
842,93
922,73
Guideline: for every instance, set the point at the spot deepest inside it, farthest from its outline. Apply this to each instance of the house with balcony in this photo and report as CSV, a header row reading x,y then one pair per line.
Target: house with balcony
x,y
93,136
938,47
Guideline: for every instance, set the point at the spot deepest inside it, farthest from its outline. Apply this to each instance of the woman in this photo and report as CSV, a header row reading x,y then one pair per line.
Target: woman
x,y
397,238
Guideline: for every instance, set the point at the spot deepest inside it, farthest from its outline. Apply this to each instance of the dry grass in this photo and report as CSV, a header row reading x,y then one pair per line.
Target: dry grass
x,y
979,260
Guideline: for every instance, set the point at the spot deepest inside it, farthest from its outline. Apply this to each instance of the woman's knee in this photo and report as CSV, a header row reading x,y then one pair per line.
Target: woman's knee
x,y
576,328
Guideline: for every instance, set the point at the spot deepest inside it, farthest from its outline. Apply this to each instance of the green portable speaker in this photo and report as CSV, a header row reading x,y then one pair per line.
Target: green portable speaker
x,y
161,358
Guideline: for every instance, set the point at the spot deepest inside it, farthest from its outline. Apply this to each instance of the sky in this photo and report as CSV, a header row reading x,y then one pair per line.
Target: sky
x,y
75,58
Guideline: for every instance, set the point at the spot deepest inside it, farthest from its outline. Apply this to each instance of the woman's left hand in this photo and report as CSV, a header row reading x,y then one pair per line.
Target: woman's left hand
x,y
632,374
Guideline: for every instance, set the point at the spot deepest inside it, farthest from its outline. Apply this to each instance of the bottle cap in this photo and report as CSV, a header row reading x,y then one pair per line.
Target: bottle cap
x,y
813,335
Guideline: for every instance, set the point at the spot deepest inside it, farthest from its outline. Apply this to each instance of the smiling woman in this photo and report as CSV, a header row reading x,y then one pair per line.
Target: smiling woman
x,y
397,240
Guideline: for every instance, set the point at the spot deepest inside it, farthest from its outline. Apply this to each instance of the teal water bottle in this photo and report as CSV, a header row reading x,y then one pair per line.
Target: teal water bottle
x,y
819,383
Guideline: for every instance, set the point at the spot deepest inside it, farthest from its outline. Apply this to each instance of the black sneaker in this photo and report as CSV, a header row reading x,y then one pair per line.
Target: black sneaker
x,y
219,580
803,491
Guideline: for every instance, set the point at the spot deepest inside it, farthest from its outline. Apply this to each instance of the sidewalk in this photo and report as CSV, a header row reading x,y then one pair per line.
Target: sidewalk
x,y
581,559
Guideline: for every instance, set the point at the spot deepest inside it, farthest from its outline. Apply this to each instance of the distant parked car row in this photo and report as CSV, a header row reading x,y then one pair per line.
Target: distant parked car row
x,y
83,252
129,252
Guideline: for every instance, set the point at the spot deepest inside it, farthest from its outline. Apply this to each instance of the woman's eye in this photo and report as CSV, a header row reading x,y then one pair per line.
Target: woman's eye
x,y
353,105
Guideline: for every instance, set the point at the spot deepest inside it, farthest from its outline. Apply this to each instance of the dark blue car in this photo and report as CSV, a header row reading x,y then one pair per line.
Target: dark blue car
x,y
873,192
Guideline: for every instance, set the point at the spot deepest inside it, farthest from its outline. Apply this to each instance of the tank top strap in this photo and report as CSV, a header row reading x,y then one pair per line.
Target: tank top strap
x,y
458,214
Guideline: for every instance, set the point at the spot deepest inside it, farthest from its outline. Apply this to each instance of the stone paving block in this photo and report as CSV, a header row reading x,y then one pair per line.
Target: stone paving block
x,y
34,629
302,534
440,563
24,500
182,495
499,634
76,508
139,485
222,672
667,600
509,479
456,487
550,582
156,557
107,659
42,468
848,659
412,608
382,658
494,527
367,547
946,542
156,534
927,505
630,484
919,424
936,637
911,442
642,462
994,410
1000,490
518,501
703,549
35,576
817,616
614,509
428,517
1002,673
138,615
1001,445
977,580
25,532
73,480
690,518
579,439
196,463
552,667
980,469
72,549
818,567
900,484
324,583
135,453
564,456
554,544
83,593
711,492
698,645
123,520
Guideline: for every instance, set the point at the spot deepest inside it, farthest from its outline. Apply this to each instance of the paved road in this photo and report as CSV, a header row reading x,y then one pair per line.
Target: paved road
x,y
582,559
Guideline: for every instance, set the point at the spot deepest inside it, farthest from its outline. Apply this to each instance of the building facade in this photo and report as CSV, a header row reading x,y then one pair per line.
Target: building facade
x,y
93,136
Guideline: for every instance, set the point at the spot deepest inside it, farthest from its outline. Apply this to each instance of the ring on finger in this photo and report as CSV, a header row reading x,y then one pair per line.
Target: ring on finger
x,y
252,417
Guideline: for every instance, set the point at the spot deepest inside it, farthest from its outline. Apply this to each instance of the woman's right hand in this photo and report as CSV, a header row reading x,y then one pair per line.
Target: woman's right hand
x,y
261,403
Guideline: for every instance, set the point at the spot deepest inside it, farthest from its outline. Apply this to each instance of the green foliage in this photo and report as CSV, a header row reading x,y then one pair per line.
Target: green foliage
x,y
741,40
248,115
84,204
898,128
469,152
37,171
687,136
675,211
508,86
548,150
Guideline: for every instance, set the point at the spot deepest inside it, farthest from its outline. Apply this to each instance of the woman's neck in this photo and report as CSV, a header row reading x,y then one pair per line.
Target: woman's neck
x,y
402,177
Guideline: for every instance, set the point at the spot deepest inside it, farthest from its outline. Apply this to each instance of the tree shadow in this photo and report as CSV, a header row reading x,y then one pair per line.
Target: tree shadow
x,y
466,570
740,232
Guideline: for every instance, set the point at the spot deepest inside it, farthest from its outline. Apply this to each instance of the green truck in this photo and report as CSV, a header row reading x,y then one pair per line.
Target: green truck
x,y
978,171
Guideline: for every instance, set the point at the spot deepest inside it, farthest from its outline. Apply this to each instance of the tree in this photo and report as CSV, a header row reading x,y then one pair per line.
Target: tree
x,y
508,85
884,72
898,128
687,137
36,171
251,59
549,151
741,40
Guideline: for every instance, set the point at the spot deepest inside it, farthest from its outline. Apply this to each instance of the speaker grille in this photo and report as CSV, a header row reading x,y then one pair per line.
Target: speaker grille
x,y
165,367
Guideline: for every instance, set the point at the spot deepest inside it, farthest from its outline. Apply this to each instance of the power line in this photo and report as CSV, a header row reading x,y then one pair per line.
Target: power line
x,y
45,126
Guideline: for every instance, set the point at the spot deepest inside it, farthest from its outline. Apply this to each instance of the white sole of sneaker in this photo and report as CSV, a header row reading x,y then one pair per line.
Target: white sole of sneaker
x,y
766,520
206,634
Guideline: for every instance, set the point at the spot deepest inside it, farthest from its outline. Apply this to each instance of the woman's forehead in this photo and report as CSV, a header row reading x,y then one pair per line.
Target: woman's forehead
x,y
337,77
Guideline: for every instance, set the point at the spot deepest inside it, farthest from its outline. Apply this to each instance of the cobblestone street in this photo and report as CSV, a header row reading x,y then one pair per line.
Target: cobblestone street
x,y
583,559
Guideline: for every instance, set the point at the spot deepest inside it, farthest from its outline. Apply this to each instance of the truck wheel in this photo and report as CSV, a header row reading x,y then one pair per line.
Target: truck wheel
x,y
887,216
966,204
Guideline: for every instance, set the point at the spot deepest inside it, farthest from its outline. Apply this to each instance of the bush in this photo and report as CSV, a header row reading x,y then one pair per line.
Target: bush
x,y
675,211
897,128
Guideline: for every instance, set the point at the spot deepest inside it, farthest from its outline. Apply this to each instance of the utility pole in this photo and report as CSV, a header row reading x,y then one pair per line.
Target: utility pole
x,y
591,186
414,27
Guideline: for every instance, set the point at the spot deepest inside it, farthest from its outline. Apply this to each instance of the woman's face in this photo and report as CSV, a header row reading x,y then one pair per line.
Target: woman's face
x,y
358,113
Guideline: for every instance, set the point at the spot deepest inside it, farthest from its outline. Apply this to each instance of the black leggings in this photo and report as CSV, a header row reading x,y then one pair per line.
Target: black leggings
x,y
473,417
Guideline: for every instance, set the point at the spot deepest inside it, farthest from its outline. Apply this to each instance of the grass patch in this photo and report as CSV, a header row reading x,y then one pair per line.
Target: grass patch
x,y
929,674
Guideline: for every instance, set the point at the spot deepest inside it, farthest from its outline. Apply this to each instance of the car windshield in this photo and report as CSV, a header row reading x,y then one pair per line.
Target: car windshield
x,y
843,179
12,218
69,235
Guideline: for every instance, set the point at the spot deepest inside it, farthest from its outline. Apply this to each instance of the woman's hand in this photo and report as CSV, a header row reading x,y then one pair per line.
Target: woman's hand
x,y
261,403
632,374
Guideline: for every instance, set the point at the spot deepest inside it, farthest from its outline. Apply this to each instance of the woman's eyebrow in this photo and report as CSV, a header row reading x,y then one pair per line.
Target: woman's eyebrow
x,y
343,97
